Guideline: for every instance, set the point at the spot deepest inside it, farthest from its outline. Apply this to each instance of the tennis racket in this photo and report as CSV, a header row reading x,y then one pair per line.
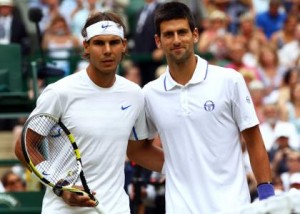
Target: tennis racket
x,y
51,152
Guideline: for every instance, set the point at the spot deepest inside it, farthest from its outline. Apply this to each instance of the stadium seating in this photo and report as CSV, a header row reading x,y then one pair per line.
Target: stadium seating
x,y
14,99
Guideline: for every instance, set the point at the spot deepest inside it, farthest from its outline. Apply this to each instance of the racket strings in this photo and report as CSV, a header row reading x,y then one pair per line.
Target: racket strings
x,y
50,150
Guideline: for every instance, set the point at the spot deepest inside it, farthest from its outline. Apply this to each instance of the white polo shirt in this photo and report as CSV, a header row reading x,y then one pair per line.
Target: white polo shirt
x,y
199,125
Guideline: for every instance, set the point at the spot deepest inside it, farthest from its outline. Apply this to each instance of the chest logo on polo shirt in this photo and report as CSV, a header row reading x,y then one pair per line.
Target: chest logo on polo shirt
x,y
209,105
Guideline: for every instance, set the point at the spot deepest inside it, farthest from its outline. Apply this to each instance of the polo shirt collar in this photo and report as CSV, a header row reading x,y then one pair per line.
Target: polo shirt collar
x,y
198,76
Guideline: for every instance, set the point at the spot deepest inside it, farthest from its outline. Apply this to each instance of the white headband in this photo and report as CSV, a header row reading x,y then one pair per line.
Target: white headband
x,y
104,28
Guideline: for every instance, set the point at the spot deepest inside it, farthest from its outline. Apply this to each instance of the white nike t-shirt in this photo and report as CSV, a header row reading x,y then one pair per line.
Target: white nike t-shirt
x,y
101,120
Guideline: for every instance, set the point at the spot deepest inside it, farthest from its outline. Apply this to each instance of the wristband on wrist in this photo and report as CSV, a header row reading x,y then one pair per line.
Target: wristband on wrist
x,y
265,190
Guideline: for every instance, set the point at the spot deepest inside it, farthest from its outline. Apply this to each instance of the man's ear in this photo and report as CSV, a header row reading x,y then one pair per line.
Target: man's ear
x,y
86,47
124,42
196,35
157,41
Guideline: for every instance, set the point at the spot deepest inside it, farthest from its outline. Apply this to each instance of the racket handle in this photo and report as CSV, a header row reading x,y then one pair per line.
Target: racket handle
x,y
100,209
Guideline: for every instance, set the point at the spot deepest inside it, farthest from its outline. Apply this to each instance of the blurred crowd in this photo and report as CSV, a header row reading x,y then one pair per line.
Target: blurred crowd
x,y
258,38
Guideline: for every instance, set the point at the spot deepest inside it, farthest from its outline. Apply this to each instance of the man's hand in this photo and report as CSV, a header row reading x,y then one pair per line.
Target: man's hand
x,y
75,199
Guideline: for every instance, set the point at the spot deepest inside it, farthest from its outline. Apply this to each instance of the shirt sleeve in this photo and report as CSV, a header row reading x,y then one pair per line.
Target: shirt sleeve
x,y
48,102
139,130
243,108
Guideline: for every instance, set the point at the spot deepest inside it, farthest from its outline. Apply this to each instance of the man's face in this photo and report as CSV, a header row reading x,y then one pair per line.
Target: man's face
x,y
177,40
5,10
105,52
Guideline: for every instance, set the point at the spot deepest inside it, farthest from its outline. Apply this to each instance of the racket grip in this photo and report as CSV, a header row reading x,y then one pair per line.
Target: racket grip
x,y
100,209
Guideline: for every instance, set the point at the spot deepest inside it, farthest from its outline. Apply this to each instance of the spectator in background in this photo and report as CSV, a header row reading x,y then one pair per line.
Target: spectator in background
x,y
12,182
252,37
12,27
250,58
235,10
257,92
290,52
214,38
287,33
291,76
59,42
293,166
237,50
272,20
248,31
50,9
280,150
291,109
147,56
272,123
270,71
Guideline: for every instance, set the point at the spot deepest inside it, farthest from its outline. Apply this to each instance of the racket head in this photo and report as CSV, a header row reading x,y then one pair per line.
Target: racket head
x,y
50,151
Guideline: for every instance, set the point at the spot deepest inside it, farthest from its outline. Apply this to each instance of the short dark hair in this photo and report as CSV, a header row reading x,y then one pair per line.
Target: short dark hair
x,y
170,11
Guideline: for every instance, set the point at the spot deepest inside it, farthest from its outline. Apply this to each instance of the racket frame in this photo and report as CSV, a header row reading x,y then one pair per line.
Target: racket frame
x,y
76,151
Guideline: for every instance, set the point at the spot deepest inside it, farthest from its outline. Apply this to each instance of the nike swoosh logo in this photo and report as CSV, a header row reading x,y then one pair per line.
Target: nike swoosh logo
x,y
45,173
105,26
125,107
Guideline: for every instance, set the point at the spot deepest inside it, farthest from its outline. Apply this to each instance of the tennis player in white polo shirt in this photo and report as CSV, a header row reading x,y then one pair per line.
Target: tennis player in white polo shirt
x,y
199,111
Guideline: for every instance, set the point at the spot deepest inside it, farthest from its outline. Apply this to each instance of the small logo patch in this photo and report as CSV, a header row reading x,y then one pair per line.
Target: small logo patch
x,y
45,173
209,105
125,107
105,26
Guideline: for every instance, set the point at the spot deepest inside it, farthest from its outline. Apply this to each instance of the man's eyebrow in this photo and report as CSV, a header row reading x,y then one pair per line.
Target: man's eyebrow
x,y
177,30
108,40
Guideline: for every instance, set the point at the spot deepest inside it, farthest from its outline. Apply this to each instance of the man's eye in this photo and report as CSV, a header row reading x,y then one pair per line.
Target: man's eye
x,y
115,42
168,34
98,43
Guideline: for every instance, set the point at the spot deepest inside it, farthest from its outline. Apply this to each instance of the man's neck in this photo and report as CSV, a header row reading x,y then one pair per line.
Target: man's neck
x,y
100,79
182,73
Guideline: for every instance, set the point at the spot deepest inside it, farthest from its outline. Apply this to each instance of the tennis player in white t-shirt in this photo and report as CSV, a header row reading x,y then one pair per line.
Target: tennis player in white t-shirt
x,y
103,111
199,110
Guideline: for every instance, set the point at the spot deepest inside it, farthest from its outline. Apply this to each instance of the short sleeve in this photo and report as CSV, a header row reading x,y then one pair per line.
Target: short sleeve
x,y
243,107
